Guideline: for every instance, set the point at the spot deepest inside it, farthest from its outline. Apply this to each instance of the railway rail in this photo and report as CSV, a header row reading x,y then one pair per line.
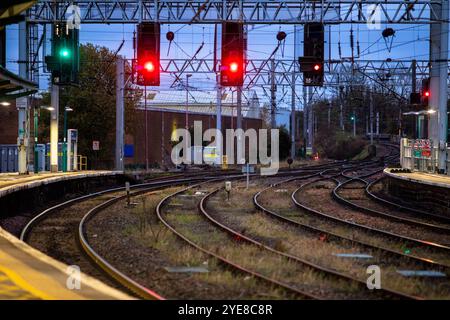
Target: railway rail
x,y
346,171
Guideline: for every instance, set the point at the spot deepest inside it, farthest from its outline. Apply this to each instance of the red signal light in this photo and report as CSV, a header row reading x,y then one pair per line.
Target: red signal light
x,y
427,93
149,66
233,67
317,67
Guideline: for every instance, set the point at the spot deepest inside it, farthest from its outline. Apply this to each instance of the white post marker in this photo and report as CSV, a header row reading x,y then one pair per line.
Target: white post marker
x,y
228,188
127,188
248,174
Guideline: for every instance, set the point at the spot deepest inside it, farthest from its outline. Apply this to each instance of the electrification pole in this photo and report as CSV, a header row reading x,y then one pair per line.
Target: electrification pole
x,y
22,103
120,80
371,114
273,89
438,81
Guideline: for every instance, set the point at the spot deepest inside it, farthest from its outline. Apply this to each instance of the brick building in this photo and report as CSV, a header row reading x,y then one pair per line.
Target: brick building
x,y
166,111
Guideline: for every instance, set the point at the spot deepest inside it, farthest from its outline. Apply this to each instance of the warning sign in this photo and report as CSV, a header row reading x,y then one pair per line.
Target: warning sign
x,y
95,145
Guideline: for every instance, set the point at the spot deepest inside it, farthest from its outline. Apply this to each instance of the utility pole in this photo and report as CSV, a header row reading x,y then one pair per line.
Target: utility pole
x,y
238,107
438,83
371,114
341,113
273,96
218,100
329,114
293,116
305,120
22,103
187,102
120,79
310,119
378,124
146,129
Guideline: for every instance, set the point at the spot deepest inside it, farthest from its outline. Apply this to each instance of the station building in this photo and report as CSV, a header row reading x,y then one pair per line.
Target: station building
x,y
166,111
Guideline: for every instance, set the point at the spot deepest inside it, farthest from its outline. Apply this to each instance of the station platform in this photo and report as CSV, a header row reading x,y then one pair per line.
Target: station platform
x,y
426,191
437,180
12,182
26,273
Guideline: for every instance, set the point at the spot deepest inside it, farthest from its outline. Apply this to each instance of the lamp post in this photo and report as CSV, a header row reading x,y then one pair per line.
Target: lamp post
x,y
187,100
64,160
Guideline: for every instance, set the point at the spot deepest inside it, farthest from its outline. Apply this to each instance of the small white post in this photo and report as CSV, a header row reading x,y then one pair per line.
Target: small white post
x,y
248,174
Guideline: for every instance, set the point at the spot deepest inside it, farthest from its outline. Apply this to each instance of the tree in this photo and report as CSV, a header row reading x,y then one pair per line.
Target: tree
x,y
94,105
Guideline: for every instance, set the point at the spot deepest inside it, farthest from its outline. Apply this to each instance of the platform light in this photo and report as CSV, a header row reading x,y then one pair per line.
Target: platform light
x,y
5,103
431,111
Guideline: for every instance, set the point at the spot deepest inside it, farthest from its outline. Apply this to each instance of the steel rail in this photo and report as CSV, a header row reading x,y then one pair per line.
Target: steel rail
x,y
220,258
364,228
341,199
324,270
399,206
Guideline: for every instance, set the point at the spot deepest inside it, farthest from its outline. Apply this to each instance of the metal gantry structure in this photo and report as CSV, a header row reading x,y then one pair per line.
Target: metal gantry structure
x,y
392,74
248,11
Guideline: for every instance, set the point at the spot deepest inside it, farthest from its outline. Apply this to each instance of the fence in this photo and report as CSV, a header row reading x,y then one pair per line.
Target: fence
x,y
420,155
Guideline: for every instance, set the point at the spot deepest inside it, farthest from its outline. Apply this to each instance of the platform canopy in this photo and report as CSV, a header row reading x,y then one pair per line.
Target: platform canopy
x,y
11,85
10,11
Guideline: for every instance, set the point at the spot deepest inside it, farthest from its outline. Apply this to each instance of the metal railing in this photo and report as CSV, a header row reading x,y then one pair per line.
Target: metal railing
x,y
419,155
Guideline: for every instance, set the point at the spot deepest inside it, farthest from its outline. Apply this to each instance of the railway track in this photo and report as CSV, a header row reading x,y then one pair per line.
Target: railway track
x,y
60,230
328,209
327,230
233,223
326,283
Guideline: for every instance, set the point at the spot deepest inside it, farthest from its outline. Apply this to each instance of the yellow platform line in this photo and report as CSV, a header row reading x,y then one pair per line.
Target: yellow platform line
x,y
21,283
43,273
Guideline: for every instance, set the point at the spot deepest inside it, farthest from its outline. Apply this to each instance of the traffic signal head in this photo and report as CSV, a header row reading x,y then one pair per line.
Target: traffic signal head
x,y
311,64
426,93
232,62
64,60
148,54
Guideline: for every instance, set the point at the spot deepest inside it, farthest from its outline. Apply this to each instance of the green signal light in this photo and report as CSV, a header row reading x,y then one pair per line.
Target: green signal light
x,y
352,118
64,53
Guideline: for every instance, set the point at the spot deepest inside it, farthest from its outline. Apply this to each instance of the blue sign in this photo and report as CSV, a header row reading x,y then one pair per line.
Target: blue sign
x,y
128,151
